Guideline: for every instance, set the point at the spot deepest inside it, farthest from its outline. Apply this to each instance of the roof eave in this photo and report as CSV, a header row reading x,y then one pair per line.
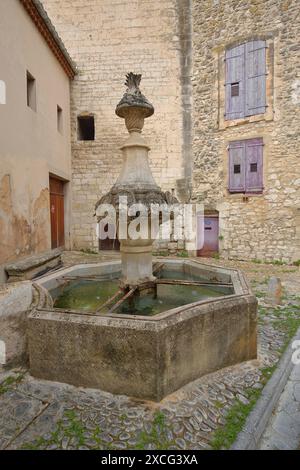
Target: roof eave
x,y
42,21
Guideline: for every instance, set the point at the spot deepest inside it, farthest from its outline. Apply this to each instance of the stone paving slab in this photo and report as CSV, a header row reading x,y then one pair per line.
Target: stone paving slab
x,y
283,430
41,426
17,412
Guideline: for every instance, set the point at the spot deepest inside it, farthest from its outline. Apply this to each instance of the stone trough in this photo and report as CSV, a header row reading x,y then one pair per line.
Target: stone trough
x,y
147,357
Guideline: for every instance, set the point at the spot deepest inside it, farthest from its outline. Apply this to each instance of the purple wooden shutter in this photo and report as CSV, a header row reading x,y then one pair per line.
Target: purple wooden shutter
x,y
255,66
254,165
237,167
235,82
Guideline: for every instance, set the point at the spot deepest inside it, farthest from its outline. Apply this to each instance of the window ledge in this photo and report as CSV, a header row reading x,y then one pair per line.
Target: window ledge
x,y
85,143
237,195
224,124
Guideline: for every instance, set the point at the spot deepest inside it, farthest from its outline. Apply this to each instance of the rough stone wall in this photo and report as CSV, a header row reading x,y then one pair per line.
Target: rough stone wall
x,y
264,226
107,39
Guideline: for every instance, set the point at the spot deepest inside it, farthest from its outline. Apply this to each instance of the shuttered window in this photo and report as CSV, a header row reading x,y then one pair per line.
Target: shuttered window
x,y
245,82
235,82
237,167
246,166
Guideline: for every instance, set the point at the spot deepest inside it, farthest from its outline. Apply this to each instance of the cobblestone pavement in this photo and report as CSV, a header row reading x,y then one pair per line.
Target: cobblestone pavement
x,y
46,415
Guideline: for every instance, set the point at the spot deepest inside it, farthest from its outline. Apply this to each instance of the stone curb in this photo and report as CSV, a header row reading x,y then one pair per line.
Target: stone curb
x,y
259,417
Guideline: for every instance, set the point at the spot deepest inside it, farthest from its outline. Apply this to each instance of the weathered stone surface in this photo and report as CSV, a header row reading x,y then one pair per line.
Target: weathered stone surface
x,y
146,357
16,412
274,292
140,358
33,266
15,301
283,429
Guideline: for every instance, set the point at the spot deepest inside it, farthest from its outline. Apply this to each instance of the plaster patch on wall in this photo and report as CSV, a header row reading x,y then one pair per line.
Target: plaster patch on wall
x,y
2,352
2,92
20,236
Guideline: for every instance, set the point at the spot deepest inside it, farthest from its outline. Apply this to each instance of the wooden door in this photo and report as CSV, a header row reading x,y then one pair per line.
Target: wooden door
x,y
211,236
57,212
111,242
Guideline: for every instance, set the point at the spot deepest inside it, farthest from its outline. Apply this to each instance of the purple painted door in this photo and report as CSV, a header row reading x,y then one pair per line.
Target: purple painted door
x,y
211,236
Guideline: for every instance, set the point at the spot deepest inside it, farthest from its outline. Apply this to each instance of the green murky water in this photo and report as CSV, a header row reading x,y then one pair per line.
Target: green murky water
x,y
89,295
83,294
176,274
168,297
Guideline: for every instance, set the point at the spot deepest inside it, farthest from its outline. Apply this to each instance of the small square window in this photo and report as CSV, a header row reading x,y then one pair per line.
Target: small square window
x,y
236,169
235,89
85,128
31,91
253,167
59,119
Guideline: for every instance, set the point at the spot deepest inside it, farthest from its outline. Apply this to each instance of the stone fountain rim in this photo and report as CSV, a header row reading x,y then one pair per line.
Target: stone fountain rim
x,y
240,285
161,320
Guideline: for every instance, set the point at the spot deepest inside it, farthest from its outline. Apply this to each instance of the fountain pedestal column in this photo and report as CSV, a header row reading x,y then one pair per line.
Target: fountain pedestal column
x,y
136,182
136,179
136,264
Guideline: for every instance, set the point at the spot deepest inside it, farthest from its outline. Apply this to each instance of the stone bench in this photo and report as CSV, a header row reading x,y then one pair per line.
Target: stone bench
x,y
33,266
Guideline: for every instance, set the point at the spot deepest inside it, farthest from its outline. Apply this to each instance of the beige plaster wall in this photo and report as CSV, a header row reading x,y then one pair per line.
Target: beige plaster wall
x,y
30,145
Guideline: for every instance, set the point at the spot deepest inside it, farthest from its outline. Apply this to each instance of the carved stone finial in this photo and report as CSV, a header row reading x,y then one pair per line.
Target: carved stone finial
x,y
134,106
133,81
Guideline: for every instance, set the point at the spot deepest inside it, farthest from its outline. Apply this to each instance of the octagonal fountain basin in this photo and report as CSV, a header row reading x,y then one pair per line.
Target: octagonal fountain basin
x,y
145,342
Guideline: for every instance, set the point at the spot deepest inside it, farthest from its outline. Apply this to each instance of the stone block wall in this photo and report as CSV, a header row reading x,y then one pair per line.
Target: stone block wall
x,y
179,47
107,39
264,226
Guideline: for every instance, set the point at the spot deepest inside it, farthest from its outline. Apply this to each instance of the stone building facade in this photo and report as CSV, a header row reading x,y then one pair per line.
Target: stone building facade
x,y
263,226
180,48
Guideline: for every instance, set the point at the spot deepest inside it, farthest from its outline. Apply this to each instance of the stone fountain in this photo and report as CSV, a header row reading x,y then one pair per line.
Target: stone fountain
x,y
139,328
136,183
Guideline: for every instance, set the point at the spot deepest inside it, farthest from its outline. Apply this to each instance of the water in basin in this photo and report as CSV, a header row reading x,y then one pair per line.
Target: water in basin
x,y
89,294
168,297
84,294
